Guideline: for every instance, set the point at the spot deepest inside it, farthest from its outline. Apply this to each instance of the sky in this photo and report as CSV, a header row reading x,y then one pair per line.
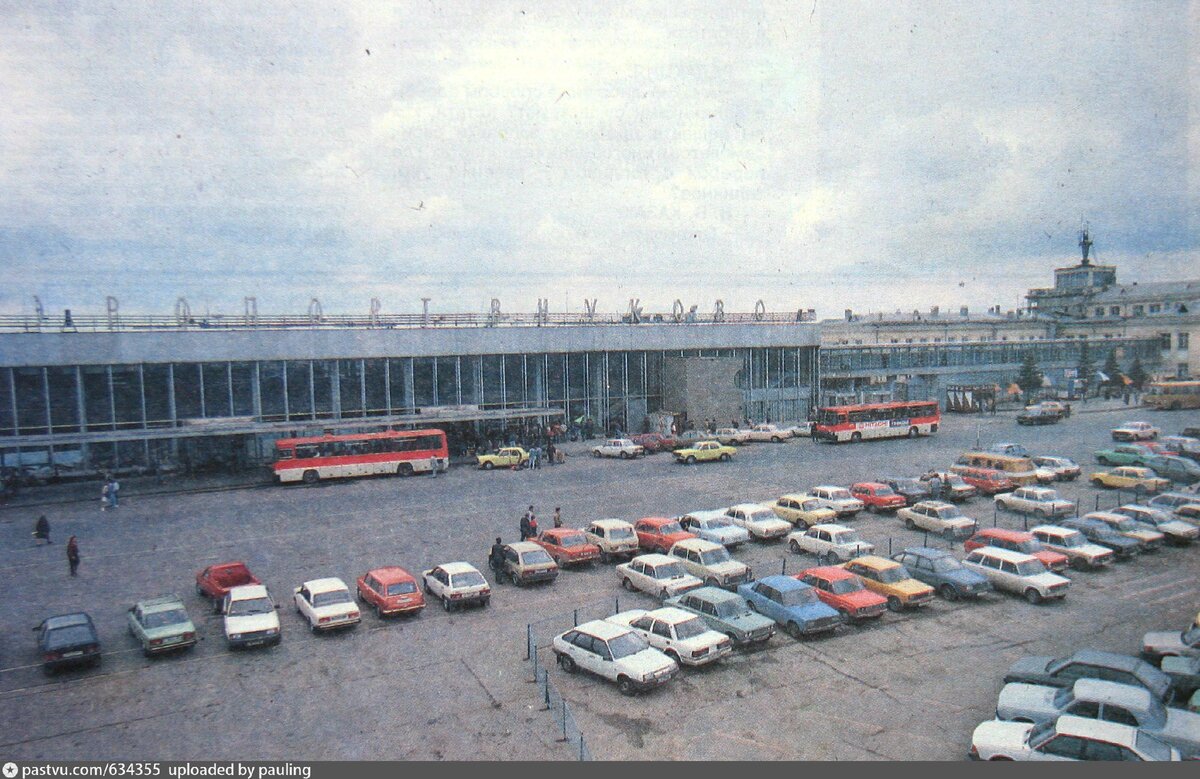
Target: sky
x,y
823,155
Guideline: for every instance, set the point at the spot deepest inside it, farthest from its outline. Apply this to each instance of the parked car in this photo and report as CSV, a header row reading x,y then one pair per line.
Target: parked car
x,y
891,580
1185,676
1180,470
844,591
1052,405
390,590
1183,505
161,625
1018,573
1082,554
715,526
1090,664
759,521
704,452
944,572
1130,477
830,543
653,443
456,585
68,640
1124,454
767,432
615,537
1037,415
877,497
837,498
1098,532
1158,644
1009,448
657,575
792,604
618,447
1067,738
659,534
1063,468
802,510
986,481
568,546
1021,541
1042,501
250,617
939,517
1106,701
525,562
1181,446
800,429
711,562
215,581
1150,539
326,604
615,653
957,488
731,436
1176,531
912,490
507,457
728,613
1135,431
680,635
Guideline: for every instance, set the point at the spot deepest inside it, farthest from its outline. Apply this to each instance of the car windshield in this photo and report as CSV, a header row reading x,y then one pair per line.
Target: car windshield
x,y
244,608
845,586
535,557
621,533
626,644
946,565
801,596
716,523
892,575
401,588
949,512
574,539
1152,747
956,481
1028,546
908,484
714,556
840,495
810,505
161,619
734,607
1123,525
71,635
1031,567
690,628
669,528
668,571
1191,636
1041,733
846,537
759,515
1071,540
468,579
884,491
330,598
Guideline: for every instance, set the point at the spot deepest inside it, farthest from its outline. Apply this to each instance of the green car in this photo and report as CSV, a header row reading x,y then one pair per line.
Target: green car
x,y
161,625
1124,454
726,612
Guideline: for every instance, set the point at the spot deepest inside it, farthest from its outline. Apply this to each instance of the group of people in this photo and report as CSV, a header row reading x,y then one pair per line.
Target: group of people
x,y
529,523
41,533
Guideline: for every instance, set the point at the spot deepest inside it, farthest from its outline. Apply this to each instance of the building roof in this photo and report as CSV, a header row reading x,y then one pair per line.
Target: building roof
x,y
1152,291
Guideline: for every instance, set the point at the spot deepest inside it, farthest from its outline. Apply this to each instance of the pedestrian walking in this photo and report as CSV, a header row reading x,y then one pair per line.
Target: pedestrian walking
x,y
496,556
114,493
41,530
935,487
557,516
551,453
104,496
433,466
73,555
527,524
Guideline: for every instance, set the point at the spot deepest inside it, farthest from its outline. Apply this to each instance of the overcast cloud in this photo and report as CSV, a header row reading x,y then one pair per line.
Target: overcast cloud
x,y
830,155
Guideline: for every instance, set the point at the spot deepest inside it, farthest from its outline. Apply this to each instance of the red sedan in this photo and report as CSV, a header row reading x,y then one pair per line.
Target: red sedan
x,y
878,497
659,534
568,546
842,590
215,581
987,480
1017,541
390,590
655,442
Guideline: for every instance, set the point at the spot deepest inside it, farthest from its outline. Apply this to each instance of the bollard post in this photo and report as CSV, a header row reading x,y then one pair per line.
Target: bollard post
x,y
1097,503
528,640
617,604
564,718
995,514
783,567
925,538
576,617
581,746
889,546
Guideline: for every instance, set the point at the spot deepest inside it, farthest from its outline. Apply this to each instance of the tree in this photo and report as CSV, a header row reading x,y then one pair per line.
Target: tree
x,y
1029,379
1086,369
1137,374
1111,369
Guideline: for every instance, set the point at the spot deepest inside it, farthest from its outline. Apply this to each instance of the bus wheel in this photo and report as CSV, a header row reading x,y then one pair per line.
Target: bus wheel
x,y
311,477
855,438
912,432
404,469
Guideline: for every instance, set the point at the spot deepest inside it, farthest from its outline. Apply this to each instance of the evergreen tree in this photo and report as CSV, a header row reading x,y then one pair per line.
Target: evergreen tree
x,y
1029,379
1112,370
1137,374
1086,368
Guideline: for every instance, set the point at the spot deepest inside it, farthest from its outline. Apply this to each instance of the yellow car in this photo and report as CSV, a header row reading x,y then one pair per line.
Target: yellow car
x,y
891,580
505,458
1130,478
803,511
704,451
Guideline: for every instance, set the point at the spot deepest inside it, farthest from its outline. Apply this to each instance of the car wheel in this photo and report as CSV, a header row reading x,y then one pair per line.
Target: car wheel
x,y
595,453
894,603
1046,513
908,523
795,547
776,439
855,438
1033,596
604,558
830,558
671,653
725,457
1079,564
488,465
566,663
628,585
312,627
446,604
845,615
793,630
378,611
427,590
311,477
751,606
624,455
948,592
691,459
199,590
625,685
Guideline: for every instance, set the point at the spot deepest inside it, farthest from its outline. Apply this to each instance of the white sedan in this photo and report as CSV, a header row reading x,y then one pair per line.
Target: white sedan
x,y
681,635
326,604
618,447
456,584
773,433
658,575
1067,738
759,521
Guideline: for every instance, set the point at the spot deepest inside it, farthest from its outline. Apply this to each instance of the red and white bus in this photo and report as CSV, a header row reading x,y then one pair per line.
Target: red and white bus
x,y
399,452
863,421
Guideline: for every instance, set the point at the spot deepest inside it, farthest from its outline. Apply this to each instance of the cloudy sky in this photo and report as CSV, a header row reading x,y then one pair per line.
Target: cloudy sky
x,y
825,155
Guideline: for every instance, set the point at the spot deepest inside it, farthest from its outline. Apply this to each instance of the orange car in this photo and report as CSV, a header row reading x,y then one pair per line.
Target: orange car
x,y
390,590
659,534
568,546
1017,541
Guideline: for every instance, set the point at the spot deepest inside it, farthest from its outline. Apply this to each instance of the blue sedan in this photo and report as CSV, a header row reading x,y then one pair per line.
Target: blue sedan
x,y
944,572
791,603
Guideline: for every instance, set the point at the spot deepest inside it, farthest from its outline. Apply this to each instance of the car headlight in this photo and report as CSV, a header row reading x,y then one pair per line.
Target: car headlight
x,y
235,636
272,631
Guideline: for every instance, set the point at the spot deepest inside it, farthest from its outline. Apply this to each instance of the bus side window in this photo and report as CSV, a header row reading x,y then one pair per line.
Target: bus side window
x,y
305,451
284,454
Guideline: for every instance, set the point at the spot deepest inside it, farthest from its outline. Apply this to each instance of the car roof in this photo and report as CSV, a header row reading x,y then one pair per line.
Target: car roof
x,y
831,526
698,544
602,629
655,558
872,484
390,574
1105,691
67,620
1110,659
232,564
1055,530
672,614
748,507
830,572
523,546
560,531
1004,554
928,551
160,603
828,487
248,592
610,523
706,514
327,584
453,568
716,594
783,583
800,497
1101,730
934,504
656,520
1103,515
876,562
1005,533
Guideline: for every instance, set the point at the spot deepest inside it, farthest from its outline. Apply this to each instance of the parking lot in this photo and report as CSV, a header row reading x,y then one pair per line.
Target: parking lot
x,y
457,686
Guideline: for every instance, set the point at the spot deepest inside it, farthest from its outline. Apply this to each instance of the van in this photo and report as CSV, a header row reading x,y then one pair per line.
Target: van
x,y
1020,470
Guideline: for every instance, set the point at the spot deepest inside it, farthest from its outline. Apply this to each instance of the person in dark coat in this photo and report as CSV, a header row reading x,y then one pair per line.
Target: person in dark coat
x,y
496,556
73,555
41,530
